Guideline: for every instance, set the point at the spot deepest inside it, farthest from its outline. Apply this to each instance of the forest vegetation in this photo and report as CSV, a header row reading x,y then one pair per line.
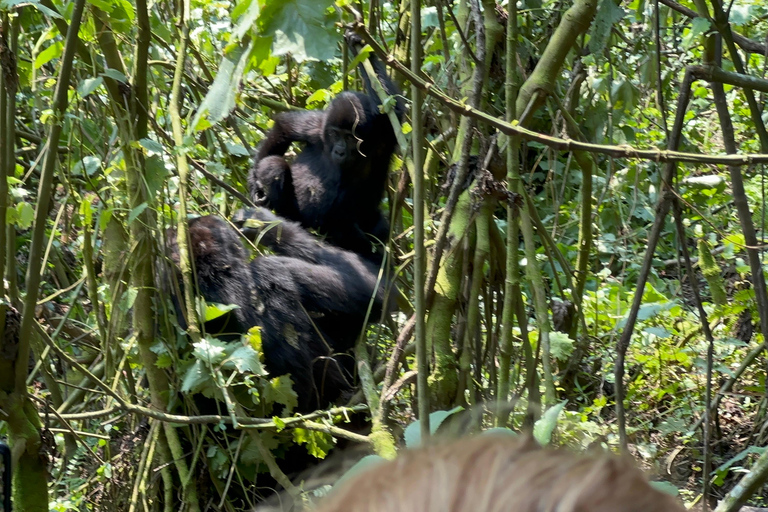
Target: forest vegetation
x,y
577,220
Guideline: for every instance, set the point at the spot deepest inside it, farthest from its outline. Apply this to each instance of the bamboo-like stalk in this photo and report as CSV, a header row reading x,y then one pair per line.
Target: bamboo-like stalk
x,y
182,228
512,277
419,258
30,474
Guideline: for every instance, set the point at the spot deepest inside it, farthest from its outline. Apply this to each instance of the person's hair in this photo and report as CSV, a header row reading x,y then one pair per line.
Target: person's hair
x,y
499,473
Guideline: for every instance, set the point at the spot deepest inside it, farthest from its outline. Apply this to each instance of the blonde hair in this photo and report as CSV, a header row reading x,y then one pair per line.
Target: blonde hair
x,y
498,473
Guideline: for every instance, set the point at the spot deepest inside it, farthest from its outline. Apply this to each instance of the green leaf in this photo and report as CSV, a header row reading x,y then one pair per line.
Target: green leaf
x,y
361,56
253,338
128,298
136,212
280,391
412,433
52,52
543,428
104,5
156,173
607,14
319,97
318,443
115,75
236,149
659,332
210,351
151,145
560,345
164,361
647,311
89,85
220,100
500,431
244,359
246,14
25,215
262,55
300,28
699,26
196,378
8,5
86,210
214,310
89,164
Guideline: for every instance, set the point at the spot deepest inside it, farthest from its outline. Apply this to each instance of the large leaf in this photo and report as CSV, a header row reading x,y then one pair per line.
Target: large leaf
x,y
246,14
7,5
543,428
607,14
300,28
209,351
244,359
698,27
196,379
318,443
412,433
280,391
220,100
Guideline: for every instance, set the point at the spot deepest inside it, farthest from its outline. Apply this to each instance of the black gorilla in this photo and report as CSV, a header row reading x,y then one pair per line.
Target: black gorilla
x,y
336,183
309,298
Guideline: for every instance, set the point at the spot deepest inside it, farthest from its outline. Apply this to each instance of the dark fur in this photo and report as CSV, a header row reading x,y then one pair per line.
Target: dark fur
x,y
335,184
309,298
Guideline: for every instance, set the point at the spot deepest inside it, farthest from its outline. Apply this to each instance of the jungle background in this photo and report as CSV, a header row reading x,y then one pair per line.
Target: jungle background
x,y
578,247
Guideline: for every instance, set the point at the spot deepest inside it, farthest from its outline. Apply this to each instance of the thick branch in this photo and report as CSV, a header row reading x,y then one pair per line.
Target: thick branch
x,y
623,151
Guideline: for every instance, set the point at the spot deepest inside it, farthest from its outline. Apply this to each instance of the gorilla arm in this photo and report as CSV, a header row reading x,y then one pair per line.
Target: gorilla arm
x,y
356,44
330,279
295,126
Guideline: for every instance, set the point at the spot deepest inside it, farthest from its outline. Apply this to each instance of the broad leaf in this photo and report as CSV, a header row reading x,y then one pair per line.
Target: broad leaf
x,y
244,359
607,14
220,100
543,428
412,433
280,391
318,443
210,351
300,28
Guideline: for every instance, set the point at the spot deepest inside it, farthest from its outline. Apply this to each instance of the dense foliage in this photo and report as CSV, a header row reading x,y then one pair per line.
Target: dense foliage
x,y
599,236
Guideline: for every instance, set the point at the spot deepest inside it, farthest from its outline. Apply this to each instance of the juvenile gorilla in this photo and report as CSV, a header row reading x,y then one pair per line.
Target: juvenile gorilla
x,y
336,183
309,298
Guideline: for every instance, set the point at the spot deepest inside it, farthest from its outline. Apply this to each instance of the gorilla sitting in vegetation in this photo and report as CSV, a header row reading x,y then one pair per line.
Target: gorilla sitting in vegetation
x,y
336,183
310,299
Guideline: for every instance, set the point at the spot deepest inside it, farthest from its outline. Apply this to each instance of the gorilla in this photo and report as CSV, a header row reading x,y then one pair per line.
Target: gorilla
x,y
336,183
310,299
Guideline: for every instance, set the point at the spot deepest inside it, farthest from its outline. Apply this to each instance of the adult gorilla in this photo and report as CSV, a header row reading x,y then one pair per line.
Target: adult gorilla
x,y
310,299
336,183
